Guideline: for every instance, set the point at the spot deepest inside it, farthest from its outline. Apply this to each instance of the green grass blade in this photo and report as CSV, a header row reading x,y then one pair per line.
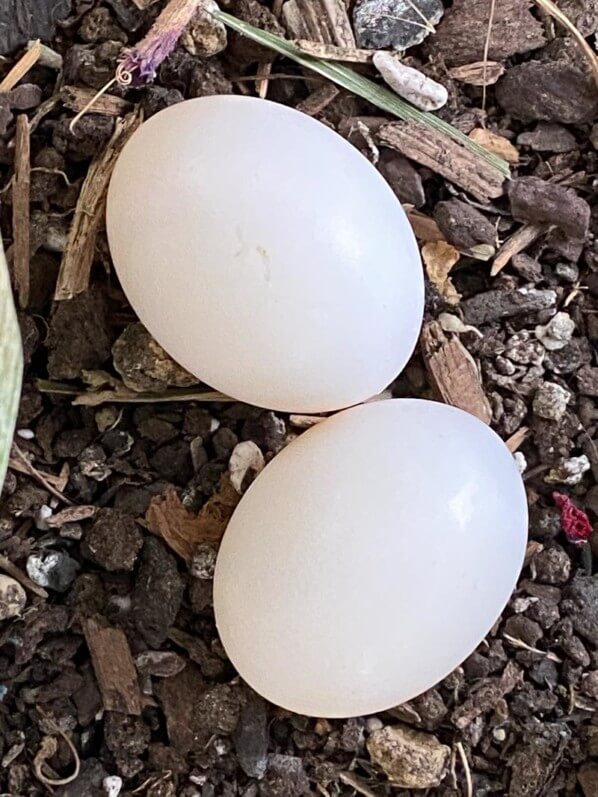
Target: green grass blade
x,y
352,81
11,366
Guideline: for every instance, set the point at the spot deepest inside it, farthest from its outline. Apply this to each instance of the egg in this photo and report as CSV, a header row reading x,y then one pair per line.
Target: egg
x,y
370,557
265,254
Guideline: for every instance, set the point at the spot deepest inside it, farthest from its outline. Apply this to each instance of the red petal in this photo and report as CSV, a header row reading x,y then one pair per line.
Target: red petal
x,y
574,521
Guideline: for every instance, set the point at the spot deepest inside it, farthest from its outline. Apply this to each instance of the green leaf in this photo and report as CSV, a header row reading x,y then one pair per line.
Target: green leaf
x,y
11,366
375,93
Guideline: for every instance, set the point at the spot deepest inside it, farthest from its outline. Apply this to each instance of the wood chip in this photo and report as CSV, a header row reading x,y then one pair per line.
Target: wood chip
x,y
318,100
113,666
23,65
499,145
75,268
71,514
166,517
517,439
439,258
332,52
76,98
520,240
454,372
446,157
324,21
480,73
20,209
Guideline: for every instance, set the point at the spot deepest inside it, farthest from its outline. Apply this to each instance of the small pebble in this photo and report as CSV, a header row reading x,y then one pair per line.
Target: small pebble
x,y
203,562
12,598
112,785
551,401
520,461
557,333
394,24
41,516
499,734
246,457
25,434
569,472
54,570
567,271
410,84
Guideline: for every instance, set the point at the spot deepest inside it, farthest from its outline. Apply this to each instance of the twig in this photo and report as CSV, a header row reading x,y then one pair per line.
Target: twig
x,y
113,666
20,209
18,575
521,239
560,16
466,769
349,779
519,643
28,468
517,438
486,49
23,65
266,66
75,268
122,395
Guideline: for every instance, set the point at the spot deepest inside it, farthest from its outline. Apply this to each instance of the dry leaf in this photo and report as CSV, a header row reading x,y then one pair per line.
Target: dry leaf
x,y
166,517
479,73
424,227
439,258
71,514
215,514
498,145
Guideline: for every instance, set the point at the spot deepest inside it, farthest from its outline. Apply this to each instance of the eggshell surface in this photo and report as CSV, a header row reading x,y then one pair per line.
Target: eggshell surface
x,y
265,254
370,558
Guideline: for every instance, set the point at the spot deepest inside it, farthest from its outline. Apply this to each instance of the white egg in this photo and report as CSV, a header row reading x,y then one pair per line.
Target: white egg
x,y
370,557
265,254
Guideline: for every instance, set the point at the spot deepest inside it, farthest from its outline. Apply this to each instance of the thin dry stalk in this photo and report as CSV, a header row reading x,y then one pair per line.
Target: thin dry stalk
x,y
75,268
486,49
77,98
466,769
550,8
23,65
20,209
265,68
332,52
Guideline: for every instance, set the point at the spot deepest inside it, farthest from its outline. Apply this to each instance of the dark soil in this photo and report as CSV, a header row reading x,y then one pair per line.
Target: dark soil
x,y
522,710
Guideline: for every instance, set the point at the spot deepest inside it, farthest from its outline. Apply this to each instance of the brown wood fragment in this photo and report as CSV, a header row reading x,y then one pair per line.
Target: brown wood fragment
x,y
75,268
520,240
72,514
446,157
480,73
517,438
20,69
454,372
178,697
324,21
76,98
332,52
20,209
318,100
113,666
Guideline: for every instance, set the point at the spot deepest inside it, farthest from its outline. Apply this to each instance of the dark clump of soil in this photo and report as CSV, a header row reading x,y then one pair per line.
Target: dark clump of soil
x,y
115,662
